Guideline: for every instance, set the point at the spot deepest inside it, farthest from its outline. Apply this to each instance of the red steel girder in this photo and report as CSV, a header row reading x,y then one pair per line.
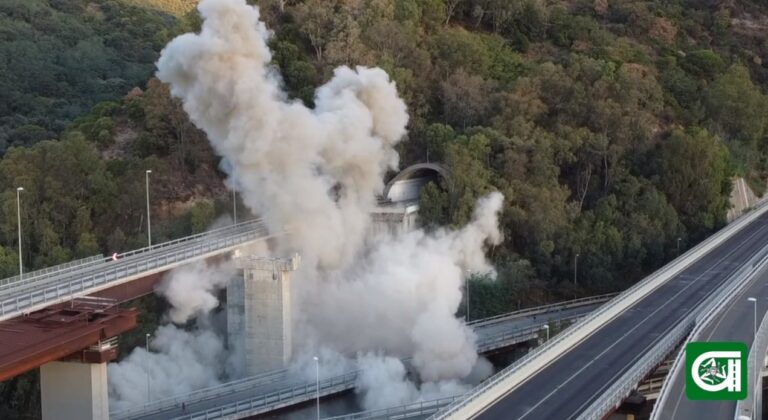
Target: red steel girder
x,y
61,331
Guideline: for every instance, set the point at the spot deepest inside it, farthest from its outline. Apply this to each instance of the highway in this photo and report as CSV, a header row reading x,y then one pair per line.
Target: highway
x,y
734,323
564,388
529,322
34,293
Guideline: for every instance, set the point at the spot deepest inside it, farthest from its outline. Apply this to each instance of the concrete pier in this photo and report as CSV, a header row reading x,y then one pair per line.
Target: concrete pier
x,y
74,391
259,312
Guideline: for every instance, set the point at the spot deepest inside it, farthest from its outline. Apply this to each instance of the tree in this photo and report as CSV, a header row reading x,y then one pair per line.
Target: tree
x,y
739,112
694,175
317,18
467,99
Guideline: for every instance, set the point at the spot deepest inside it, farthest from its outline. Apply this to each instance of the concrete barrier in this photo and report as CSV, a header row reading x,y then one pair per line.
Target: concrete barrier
x,y
510,378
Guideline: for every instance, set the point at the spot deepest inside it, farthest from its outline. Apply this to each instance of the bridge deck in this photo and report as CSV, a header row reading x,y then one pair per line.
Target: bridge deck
x,y
57,332
503,330
735,323
564,388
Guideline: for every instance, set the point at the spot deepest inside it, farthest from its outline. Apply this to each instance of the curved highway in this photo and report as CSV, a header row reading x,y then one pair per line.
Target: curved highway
x,y
486,329
29,294
564,388
734,323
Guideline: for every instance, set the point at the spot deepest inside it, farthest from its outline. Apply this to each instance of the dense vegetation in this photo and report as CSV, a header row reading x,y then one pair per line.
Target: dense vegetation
x,y
613,128
60,58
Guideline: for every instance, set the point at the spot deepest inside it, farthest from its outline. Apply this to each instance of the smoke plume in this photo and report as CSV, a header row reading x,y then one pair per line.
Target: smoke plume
x,y
316,173
288,158
180,362
190,289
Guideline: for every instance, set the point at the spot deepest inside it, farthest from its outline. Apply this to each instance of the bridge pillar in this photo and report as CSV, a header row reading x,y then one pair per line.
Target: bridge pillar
x,y
74,391
259,312
394,219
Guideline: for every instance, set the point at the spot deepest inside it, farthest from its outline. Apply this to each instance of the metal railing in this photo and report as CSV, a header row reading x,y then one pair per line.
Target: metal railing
x,y
709,312
692,323
629,380
485,343
127,268
277,399
626,298
67,266
52,272
420,408
745,407
544,309
491,342
244,384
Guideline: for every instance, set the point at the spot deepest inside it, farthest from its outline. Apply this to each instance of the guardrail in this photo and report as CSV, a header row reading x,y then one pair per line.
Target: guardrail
x,y
521,370
33,279
544,309
647,362
710,311
56,268
421,408
495,341
277,399
125,270
485,343
158,406
746,408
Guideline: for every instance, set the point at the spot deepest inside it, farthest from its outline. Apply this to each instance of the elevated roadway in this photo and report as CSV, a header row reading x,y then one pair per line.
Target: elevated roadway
x,y
563,380
279,389
57,285
734,322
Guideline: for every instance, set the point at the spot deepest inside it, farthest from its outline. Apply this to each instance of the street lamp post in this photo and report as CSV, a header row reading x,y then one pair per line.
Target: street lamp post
x,y
149,395
234,205
149,222
754,304
678,246
317,385
18,219
754,349
234,198
576,270
466,289
546,327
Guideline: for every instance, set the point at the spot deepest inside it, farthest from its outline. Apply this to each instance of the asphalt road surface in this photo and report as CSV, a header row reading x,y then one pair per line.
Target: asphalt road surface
x,y
734,323
567,386
287,381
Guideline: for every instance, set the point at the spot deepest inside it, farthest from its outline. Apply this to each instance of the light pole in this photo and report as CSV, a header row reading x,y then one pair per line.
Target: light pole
x,y
466,288
317,385
754,349
234,198
18,219
678,246
149,395
576,269
234,205
149,222
546,327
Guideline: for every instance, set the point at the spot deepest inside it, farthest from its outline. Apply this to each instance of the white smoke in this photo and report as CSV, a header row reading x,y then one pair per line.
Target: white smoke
x,y
191,289
288,158
316,172
383,383
180,362
402,296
